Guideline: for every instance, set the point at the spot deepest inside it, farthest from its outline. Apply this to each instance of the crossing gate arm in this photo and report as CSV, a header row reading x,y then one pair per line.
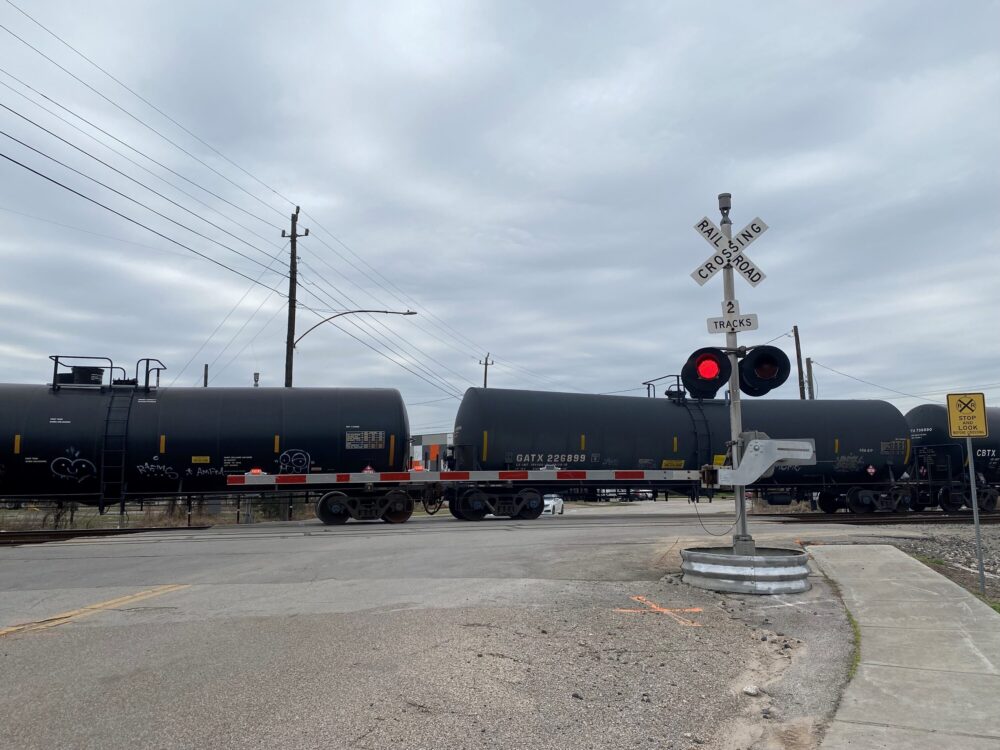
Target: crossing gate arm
x,y
760,457
428,477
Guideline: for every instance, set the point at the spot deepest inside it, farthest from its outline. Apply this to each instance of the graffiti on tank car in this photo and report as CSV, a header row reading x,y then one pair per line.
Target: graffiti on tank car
x,y
156,470
294,461
847,463
204,471
73,468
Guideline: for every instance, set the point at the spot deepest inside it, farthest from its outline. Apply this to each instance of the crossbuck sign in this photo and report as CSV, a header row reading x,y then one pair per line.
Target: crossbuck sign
x,y
731,252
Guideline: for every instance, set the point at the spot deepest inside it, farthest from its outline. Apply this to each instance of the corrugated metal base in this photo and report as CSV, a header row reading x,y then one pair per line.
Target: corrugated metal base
x,y
770,571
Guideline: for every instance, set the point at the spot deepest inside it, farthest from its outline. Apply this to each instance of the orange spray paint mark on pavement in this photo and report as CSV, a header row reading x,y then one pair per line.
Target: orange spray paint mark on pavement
x,y
652,608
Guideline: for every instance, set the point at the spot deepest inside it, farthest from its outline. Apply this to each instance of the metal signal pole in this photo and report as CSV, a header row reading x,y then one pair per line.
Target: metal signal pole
x,y
293,270
809,378
743,543
798,361
486,367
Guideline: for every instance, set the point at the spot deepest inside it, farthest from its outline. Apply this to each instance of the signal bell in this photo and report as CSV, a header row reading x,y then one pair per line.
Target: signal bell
x,y
705,372
763,368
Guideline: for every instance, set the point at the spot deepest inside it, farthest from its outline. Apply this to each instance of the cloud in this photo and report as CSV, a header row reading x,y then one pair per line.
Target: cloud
x,y
525,176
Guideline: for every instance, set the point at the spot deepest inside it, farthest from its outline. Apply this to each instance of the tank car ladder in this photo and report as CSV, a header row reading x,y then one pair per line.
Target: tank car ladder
x,y
113,447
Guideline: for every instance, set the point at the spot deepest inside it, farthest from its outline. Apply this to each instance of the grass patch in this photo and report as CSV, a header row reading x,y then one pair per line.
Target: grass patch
x,y
995,604
856,656
930,562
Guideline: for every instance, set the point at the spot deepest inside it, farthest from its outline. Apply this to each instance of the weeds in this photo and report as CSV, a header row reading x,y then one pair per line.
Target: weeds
x,y
856,656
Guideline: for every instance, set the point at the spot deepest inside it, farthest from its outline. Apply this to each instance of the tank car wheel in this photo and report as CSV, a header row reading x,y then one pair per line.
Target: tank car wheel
x,y
450,496
921,501
533,505
828,502
400,507
331,509
988,500
900,498
860,501
951,501
454,509
472,505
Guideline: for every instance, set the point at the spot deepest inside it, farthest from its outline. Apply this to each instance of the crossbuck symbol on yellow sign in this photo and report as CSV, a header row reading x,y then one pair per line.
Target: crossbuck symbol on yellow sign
x,y
969,405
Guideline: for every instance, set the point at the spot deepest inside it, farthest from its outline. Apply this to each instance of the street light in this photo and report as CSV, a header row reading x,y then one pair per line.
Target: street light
x,y
349,312
289,350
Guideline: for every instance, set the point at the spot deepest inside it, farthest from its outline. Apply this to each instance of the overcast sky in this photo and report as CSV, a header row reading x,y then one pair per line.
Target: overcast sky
x,y
524,175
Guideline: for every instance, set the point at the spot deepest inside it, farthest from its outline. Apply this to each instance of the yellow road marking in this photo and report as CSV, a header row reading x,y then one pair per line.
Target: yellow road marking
x,y
79,614
654,608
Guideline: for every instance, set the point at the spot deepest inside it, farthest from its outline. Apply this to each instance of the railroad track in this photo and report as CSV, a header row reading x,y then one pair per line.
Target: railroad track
x,y
878,519
56,535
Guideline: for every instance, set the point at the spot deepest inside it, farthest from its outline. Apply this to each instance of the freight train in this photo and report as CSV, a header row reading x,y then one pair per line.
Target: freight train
x,y
94,438
869,456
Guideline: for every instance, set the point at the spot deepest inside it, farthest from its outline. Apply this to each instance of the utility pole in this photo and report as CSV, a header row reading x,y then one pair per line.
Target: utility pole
x,y
809,376
486,367
293,266
205,383
798,361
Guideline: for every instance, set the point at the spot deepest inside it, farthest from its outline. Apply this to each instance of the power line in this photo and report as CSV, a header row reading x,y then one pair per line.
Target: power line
x,y
132,148
223,321
95,234
352,321
139,120
129,198
129,177
218,356
252,338
130,160
134,221
202,162
403,342
406,299
876,385
146,101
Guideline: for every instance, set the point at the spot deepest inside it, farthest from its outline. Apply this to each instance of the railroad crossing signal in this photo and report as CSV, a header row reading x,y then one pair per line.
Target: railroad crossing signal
x,y
967,415
729,252
761,369
705,372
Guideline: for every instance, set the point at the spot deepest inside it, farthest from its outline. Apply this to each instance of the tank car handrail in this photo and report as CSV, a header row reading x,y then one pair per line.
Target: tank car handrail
x,y
56,361
149,368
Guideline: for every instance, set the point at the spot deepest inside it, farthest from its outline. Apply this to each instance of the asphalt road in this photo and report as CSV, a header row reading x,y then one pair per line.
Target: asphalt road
x,y
434,634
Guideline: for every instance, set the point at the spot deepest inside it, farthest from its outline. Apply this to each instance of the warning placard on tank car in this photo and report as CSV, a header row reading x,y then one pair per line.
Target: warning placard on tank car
x,y
967,415
365,439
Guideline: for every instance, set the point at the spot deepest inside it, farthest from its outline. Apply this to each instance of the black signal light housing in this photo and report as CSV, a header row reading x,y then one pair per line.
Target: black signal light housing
x,y
763,369
705,372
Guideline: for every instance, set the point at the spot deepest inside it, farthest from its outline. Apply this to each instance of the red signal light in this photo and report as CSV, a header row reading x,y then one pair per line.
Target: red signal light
x,y
705,372
707,367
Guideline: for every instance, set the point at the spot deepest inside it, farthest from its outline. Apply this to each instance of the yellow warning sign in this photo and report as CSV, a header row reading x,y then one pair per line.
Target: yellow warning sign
x,y
967,415
201,459
672,463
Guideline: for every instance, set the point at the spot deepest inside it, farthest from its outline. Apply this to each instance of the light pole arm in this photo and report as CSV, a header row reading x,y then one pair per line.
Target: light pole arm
x,y
348,312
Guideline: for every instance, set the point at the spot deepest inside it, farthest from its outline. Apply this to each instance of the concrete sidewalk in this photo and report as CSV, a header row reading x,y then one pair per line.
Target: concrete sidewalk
x,y
929,675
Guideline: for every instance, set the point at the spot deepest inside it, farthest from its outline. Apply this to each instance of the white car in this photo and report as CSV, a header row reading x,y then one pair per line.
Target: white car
x,y
553,505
